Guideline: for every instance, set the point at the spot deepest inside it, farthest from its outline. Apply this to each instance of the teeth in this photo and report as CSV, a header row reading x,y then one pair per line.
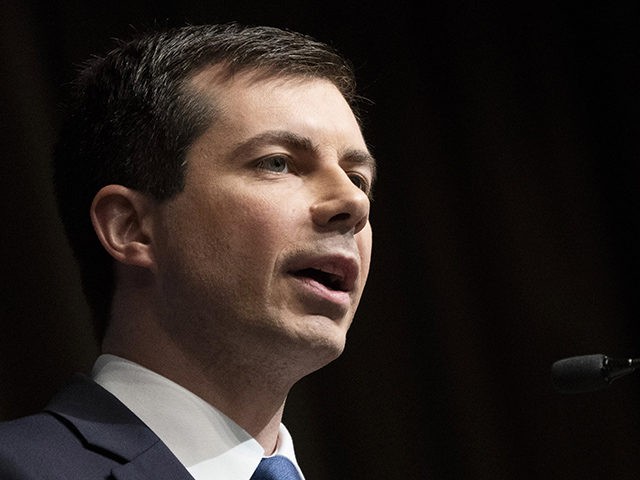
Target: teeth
x,y
334,272
333,281
328,279
330,270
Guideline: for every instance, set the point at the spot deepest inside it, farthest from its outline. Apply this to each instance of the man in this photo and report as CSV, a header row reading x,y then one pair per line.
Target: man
x,y
215,187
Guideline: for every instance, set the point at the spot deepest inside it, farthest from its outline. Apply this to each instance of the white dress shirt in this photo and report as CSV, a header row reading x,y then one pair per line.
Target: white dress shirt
x,y
210,445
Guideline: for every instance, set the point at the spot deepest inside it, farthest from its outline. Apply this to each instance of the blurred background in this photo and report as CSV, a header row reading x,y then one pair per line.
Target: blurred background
x,y
506,220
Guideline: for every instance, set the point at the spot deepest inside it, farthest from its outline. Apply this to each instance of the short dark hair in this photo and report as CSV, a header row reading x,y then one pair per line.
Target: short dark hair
x,y
132,118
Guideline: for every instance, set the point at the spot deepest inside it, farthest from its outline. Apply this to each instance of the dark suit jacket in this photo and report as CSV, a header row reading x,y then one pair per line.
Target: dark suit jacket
x,y
84,433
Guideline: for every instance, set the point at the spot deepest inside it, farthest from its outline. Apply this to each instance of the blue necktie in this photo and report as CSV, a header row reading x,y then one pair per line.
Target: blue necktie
x,y
275,468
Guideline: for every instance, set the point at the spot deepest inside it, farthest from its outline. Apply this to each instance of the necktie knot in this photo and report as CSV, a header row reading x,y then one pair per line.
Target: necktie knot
x,y
275,468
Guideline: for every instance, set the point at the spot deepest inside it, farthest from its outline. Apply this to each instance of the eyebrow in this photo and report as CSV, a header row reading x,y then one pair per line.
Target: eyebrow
x,y
300,142
364,158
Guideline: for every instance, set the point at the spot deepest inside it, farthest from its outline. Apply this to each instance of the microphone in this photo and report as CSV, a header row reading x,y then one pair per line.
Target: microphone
x,y
587,373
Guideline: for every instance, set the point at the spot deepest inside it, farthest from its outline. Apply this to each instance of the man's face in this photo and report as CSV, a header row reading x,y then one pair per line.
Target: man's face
x,y
268,247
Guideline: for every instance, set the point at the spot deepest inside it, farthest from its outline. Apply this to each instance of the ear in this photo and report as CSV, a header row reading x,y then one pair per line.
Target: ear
x,y
122,220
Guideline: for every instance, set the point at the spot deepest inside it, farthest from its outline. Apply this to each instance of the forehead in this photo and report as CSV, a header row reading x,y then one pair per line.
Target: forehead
x,y
216,83
257,99
255,110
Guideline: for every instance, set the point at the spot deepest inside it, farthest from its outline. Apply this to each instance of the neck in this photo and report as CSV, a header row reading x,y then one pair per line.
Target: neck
x,y
251,393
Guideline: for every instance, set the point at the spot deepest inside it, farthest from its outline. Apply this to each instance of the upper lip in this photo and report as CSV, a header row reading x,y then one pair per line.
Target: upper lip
x,y
339,270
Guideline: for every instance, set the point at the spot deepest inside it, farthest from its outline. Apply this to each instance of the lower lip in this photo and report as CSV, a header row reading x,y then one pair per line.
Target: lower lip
x,y
319,291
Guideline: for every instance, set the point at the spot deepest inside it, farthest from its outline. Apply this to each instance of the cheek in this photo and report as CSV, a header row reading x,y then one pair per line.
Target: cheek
x,y
260,217
364,240
257,229
237,229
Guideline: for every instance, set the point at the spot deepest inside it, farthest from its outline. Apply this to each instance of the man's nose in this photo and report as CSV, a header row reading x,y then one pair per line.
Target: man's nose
x,y
340,204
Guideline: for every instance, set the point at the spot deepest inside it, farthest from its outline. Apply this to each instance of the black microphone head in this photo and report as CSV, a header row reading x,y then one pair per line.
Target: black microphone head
x,y
579,374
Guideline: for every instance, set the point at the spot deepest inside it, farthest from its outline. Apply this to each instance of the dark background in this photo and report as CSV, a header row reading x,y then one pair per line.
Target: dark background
x,y
506,231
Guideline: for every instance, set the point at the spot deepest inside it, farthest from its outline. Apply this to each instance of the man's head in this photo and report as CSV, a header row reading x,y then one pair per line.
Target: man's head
x,y
136,112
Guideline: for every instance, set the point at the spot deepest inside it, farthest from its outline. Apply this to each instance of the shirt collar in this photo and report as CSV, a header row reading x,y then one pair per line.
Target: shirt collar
x,y
208,443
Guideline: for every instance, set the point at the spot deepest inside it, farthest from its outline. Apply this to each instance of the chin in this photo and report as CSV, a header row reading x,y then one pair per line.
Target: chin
x,y
317,361
328,347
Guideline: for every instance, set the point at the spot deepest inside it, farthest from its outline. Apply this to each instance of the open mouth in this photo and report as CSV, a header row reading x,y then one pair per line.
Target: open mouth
x,y
331,281
337,273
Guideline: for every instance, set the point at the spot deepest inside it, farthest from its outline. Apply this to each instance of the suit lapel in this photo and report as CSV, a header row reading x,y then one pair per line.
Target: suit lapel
x,y
107,425
156,463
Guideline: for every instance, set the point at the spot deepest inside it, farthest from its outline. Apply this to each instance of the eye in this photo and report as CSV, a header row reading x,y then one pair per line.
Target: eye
x,y
360,181
274,163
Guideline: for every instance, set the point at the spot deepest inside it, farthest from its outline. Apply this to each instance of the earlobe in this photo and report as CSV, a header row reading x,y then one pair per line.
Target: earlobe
x,y
121,218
